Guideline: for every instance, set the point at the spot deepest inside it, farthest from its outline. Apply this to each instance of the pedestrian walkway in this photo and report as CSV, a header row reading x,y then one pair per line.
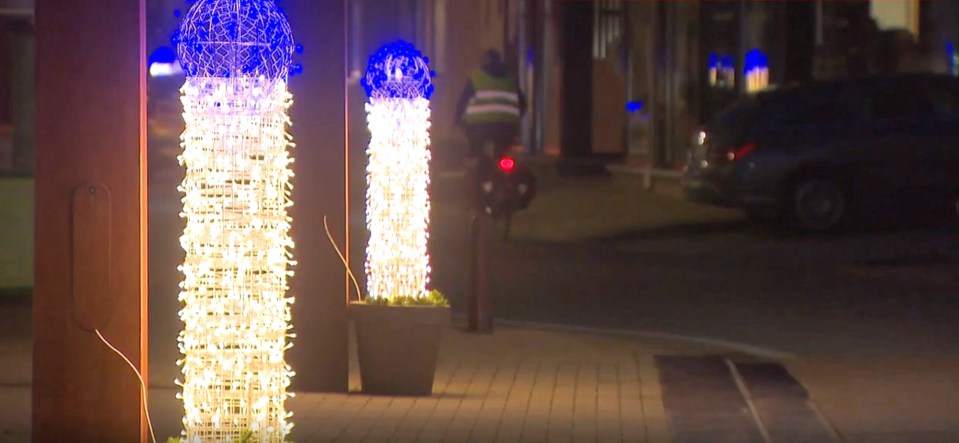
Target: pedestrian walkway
x,y
511,386
517,384
540,384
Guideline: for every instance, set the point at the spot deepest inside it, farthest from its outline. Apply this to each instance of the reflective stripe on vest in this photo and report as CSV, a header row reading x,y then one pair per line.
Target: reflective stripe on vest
x,y
495,100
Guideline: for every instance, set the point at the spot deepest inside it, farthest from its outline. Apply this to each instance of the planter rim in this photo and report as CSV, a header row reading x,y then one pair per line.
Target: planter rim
x,y
372,305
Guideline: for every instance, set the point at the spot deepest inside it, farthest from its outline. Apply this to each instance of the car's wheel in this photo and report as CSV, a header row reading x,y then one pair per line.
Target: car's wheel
x,y
819,204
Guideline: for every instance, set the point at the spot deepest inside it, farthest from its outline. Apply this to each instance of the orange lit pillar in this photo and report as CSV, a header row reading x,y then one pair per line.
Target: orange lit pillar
x,y
90,221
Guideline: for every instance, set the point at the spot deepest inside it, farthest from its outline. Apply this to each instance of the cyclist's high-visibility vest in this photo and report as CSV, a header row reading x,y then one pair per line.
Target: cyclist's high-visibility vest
x,y
495,100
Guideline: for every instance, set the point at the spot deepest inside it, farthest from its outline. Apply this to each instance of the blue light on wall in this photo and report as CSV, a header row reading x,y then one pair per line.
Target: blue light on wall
x,y
398,70
634,106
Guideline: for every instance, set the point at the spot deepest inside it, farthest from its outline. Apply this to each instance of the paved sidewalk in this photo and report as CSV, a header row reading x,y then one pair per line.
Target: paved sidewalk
x,y
524,384
517,384
886,399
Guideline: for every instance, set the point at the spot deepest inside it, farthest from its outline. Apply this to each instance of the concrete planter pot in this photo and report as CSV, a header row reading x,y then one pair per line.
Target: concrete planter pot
x,y
398,346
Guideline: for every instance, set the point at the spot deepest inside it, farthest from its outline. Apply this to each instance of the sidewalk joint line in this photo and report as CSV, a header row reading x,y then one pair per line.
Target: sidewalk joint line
x,y
748,397
825,422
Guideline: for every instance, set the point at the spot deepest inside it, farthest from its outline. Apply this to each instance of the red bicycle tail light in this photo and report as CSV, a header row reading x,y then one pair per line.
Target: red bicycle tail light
x,y
507,164
738,153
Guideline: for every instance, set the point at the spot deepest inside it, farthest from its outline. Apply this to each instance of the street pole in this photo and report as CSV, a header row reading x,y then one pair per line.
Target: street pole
x,y
819,23
542,75
522,49
743,23
479,309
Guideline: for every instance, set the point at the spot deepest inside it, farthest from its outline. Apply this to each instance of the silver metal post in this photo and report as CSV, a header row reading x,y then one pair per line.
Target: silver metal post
x,y
542,75
522,49
819,23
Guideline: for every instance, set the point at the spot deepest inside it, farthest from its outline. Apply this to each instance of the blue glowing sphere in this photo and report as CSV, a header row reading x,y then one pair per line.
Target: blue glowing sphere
x,y
398,70
235,38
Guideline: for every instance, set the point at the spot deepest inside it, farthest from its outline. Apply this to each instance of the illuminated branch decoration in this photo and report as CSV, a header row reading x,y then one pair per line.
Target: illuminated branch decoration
x,y
237,56
398,82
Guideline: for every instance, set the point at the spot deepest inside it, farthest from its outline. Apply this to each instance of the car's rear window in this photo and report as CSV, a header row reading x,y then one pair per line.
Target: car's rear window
x,y
737,119
825,104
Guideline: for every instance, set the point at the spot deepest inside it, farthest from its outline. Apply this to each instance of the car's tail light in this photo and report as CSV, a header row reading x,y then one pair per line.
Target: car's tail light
x,y
739,152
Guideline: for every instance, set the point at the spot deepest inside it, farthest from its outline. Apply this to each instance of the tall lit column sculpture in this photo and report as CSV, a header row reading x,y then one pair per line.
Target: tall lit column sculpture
x,y
236,55
398,82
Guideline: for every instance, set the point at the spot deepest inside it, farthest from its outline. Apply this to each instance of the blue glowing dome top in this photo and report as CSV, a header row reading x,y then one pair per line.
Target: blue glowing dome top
x,y
398,70
235,38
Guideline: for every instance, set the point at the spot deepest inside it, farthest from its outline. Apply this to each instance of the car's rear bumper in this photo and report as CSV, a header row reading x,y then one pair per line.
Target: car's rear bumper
x,y
700,191
718,192
707,191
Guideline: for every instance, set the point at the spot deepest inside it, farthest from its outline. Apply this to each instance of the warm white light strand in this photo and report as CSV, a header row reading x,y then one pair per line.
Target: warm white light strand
x,y
397,197
236,312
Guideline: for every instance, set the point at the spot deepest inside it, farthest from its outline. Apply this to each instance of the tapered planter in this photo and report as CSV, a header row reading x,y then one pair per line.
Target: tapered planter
x,y
398,346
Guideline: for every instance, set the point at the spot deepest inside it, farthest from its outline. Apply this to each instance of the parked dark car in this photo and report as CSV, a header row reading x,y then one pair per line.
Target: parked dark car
x,y
815,154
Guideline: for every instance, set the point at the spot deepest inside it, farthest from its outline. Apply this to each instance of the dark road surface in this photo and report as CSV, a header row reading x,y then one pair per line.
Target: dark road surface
x,y
872,291
759,290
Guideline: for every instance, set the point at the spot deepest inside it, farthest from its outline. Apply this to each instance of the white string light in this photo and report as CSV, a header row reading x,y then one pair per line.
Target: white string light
x,y
236,312
398,178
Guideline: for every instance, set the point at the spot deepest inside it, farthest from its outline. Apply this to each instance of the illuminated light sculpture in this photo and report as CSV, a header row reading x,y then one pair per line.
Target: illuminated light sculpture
x,y
237,56
398,82
722,71
756,70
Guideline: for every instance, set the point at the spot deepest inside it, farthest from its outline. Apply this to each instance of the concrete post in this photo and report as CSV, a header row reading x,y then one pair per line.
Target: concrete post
x,y
319,355
90,221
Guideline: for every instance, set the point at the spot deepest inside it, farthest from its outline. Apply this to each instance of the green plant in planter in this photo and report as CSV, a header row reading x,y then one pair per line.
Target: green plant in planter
x,y
433,298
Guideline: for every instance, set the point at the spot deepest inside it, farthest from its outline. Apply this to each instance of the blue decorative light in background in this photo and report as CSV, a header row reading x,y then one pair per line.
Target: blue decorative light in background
x,y
727,61
163,54
722,70
231,38
756,70
634,106
398,70
163,63
755,59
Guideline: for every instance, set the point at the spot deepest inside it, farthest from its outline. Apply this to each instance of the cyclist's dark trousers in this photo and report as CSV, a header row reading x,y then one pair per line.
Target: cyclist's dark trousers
x,y
501,135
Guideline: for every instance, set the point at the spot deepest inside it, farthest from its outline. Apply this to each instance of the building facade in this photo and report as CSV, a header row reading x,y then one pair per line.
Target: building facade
x,y
609,79
604,79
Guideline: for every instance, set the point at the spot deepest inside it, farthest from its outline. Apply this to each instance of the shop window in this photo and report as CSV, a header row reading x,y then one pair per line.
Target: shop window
x,y
16,93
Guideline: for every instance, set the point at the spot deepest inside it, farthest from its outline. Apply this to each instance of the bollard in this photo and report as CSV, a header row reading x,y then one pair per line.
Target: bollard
x,y
479,315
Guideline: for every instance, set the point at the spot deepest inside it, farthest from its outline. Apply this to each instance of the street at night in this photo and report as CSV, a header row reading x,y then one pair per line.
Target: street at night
x,y
479,221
